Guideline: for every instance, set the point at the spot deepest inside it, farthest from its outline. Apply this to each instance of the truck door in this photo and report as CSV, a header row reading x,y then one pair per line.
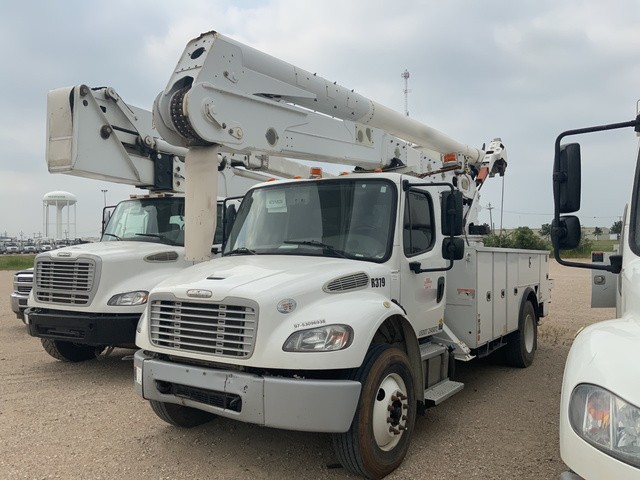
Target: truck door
x,y
421,294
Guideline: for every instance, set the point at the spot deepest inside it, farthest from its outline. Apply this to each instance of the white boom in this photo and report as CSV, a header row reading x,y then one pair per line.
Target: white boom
x,y
225,93
92,133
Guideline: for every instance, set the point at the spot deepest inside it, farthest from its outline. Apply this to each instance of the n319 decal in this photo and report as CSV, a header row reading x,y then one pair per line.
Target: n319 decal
x,y
377,282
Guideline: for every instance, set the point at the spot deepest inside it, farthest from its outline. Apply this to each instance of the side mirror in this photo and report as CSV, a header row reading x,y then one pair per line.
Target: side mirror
x,y
451,213
106,216
230,215
565,235
453,248
566,178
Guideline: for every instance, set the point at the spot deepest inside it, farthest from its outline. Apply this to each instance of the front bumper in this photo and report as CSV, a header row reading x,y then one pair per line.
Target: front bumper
x,y
279,402
84,328
18,304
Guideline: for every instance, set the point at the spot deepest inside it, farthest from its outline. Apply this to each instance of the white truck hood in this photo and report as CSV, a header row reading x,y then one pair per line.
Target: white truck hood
x,y
263,276
603,354
121,250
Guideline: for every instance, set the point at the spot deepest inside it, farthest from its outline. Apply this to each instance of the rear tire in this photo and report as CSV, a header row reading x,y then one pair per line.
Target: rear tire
x,y
69,351
179,415
378,439
521,348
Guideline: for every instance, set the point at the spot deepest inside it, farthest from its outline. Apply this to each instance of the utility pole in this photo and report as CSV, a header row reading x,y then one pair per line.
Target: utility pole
x,y
104,195
490,216
405,76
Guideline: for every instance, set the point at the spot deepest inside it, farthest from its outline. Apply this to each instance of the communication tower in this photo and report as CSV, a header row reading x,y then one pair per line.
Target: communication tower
x,y
405,76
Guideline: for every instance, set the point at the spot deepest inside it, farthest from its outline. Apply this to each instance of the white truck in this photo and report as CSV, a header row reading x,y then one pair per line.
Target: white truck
x,y
339,305
87,298
600,400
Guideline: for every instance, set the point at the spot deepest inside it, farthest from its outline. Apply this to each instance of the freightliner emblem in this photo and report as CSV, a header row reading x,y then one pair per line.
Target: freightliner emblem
x,y
199,293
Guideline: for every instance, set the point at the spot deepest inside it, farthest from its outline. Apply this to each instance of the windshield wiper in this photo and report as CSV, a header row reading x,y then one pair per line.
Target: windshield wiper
x,y
157,235
112,235
242,251
316,243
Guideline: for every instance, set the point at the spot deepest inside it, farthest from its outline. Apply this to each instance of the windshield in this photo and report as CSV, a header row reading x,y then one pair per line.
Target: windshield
x,y
333,218
159,220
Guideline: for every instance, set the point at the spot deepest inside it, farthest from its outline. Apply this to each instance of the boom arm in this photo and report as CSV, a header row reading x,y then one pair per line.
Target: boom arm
x,y
92,133
224,93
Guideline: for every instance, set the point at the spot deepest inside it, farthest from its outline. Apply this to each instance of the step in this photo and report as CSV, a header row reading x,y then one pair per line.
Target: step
x,y
439,392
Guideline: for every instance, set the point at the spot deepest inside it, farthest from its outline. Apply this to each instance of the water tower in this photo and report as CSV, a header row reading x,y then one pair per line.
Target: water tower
x,y
60,200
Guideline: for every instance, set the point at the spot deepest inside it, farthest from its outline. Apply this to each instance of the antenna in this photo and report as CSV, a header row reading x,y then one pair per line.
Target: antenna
x,y
406,91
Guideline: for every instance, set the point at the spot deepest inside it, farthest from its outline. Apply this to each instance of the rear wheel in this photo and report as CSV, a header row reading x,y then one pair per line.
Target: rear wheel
x,y
69,351
522,347
378,439
179,415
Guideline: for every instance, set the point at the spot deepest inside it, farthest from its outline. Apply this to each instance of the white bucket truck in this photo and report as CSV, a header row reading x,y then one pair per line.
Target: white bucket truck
x,y
339,305
87,298
600,401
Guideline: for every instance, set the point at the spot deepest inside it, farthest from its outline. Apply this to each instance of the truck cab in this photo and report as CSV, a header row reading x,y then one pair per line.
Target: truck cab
x,y
328,313
90,296
600,399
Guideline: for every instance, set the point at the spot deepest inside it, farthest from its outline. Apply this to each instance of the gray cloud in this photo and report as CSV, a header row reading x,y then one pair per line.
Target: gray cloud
x,y
523,71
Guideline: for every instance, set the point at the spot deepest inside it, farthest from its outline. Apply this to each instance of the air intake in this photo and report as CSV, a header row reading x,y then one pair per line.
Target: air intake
x,y
162,257
347,283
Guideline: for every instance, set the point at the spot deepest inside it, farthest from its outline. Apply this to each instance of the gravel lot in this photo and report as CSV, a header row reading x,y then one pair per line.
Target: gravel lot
x,y
66,421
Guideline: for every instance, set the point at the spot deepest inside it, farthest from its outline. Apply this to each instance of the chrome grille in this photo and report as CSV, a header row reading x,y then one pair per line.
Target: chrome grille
x,y
68,282
348,282
22,282
214,328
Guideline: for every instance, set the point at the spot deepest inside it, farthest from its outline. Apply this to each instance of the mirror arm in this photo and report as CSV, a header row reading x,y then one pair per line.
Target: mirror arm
x,y
415,267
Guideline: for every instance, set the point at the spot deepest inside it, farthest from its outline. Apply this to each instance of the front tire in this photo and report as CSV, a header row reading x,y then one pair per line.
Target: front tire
x,y
378,439
179,415
69,351
522,346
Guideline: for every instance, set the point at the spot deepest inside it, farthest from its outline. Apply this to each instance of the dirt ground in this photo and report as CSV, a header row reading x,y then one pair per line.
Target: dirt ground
x,y
83,421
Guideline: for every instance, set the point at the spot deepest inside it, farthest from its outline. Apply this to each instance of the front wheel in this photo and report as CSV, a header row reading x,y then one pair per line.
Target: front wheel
x,y
179,415
69,351
378,439
522,346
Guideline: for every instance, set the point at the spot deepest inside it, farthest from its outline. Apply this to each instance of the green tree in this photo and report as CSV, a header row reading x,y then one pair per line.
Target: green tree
x,y
521,237
545,230
497,240
616,227
597,231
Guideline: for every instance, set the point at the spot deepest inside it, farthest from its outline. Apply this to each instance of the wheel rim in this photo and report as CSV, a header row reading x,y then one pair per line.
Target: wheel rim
x,y
529,333
390,411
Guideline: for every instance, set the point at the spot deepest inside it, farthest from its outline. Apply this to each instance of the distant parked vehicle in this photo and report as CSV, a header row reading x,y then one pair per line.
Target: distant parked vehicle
x,y
13,247
29,248
45,246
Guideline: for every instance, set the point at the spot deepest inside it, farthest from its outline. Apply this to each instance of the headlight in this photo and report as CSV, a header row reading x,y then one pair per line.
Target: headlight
x,y
129,298
607,422
322,339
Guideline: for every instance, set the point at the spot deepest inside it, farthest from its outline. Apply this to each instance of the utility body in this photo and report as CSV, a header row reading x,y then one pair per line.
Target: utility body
x,y
339,305
600,399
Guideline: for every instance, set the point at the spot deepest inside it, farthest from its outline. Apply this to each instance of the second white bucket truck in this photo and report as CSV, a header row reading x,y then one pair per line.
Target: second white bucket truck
x,y
89,297
339,305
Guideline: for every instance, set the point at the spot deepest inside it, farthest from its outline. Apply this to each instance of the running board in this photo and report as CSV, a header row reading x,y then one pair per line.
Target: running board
x,y
441,391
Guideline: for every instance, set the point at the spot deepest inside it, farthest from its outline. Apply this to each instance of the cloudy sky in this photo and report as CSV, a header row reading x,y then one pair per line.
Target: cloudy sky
x,y
523,71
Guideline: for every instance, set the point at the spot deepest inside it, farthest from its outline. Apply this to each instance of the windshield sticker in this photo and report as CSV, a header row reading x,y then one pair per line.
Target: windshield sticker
x,y
276,201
